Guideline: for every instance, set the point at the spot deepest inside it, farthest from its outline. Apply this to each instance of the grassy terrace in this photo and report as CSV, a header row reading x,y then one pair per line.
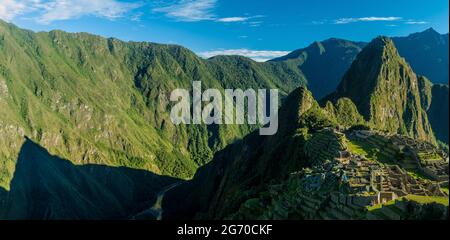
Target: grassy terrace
x,y
379,206
429,156
415,198
418,175
367,150
428,199
372,153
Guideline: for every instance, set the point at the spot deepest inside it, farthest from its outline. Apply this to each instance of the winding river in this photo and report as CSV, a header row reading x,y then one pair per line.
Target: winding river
x,y
156,211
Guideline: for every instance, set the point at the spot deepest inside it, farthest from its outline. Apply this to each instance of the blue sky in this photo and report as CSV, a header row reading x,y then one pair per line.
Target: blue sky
x,y
260,29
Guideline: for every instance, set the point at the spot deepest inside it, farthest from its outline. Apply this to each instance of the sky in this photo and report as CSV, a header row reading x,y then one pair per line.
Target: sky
x,y
259,29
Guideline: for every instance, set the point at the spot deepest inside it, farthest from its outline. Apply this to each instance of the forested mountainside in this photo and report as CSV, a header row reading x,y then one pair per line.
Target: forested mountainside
x,y
93,100
324,161
386,91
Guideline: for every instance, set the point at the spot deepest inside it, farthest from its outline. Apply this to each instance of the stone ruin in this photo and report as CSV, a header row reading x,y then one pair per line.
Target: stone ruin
x,y
413,155
344,186
368,183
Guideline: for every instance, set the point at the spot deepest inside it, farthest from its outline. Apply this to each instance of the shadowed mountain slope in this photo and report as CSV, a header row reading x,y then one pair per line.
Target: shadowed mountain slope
x,y
438,112
427,52
244,168
48,187
324,63
435,99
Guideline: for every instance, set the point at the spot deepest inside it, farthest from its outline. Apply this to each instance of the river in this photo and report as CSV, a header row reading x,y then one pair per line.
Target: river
x,y
156,211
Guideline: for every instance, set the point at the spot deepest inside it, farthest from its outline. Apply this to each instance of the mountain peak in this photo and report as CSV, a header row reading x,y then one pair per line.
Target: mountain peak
x,y
385,90
383,39
427,52
427,34
296,104
317,46
380,50
341,42
431,30
382,42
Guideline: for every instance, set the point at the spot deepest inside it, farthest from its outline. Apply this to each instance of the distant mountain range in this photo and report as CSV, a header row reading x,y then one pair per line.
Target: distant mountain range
x,y
324,63
427,52
77,110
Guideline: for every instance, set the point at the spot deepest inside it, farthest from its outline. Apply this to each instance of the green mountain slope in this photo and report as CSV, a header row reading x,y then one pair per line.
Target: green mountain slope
x,y
345,113
336,55
93,100
427,52
386,91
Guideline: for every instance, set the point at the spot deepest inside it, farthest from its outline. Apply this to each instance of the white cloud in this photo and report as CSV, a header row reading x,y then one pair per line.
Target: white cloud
x,y
255,23
189,10
232,19
259,56
69,9
411,22
137,17
47,11
195,11
9,9
366,19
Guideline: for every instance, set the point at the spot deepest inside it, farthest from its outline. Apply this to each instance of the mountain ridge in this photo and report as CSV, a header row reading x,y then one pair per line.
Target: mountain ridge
x,y
336,54
386,91
425,51
104,101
